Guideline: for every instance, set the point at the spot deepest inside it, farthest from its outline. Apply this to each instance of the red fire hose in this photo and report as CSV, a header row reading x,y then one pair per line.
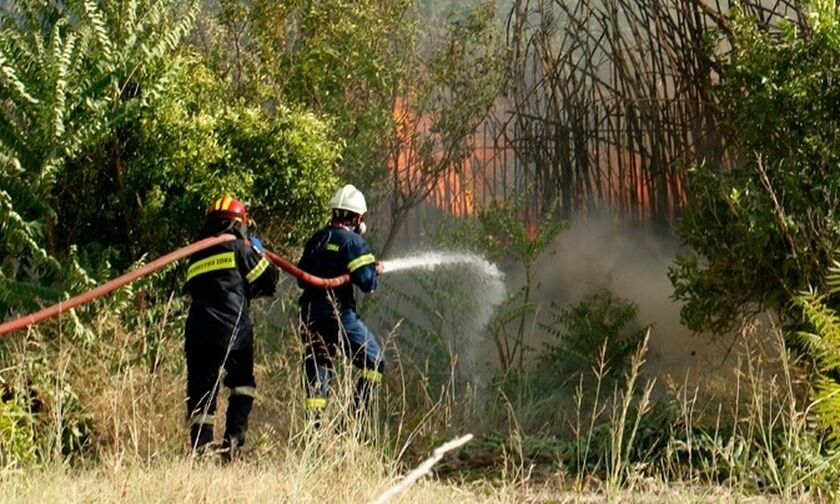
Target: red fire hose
x,y
34,318
324,283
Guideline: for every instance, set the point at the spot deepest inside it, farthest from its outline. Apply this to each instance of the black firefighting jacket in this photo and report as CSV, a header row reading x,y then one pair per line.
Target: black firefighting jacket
x,y
221,281
331,252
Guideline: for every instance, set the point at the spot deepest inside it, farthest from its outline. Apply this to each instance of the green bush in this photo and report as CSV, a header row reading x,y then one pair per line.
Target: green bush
x,y
588,353
289,160
765,228
601,330
184,150
18,443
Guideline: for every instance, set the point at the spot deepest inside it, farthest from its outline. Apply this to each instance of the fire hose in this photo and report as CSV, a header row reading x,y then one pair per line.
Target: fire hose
x,y
60,307
324,283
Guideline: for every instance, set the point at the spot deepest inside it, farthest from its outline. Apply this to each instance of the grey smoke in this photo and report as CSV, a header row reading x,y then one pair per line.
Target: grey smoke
x,y
632,262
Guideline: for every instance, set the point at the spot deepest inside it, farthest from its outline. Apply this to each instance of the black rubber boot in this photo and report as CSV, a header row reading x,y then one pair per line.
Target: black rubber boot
x,y
201,435
236,424
230,450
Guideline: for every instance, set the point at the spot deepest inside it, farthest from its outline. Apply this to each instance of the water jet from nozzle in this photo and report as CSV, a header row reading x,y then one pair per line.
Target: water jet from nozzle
x,y
432,260
490,278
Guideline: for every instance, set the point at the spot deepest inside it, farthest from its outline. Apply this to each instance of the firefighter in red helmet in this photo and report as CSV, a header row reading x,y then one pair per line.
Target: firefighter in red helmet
x,y
221,281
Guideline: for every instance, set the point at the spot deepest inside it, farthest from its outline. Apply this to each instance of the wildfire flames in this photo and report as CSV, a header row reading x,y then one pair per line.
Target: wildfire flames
x,y
492,170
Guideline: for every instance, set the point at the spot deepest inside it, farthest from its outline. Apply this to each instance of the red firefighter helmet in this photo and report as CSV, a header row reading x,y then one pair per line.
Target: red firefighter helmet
x,y
228,208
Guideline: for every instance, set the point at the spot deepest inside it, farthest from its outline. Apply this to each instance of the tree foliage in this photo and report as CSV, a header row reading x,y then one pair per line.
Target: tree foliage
x,y
442,101
114,138
405,85
70,72
334,57
767,227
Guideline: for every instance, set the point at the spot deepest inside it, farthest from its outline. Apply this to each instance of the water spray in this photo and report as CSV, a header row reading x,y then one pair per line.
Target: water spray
x,y
432,260
488,293
489,296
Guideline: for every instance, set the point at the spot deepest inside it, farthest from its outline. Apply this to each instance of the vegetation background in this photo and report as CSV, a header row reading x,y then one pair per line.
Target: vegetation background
x,y
525,131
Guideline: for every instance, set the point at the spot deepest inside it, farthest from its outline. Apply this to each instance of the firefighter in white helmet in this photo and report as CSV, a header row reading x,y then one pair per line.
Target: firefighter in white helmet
x,y
329,318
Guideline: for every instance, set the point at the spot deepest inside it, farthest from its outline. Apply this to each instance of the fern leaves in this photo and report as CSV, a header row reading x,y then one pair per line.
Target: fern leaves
x,y
100,30
10,82
826,394
822,344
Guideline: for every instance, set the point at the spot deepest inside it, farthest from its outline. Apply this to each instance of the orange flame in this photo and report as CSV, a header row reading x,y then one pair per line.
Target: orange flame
x,y
453,190
622,180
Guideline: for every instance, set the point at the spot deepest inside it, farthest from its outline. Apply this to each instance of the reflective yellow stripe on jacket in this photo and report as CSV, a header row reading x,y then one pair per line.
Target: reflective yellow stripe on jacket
x,y
225,260
257,271
362,260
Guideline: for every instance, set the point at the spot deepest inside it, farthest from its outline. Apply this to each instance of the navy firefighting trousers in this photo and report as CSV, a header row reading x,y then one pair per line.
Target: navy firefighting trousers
x,y
323,336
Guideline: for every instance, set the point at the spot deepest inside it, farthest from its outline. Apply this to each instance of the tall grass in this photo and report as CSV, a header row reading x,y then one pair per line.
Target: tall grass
x,y
757,438
104,419
766,442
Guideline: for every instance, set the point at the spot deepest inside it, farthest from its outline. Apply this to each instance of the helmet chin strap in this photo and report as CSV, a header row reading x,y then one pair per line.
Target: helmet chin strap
x,y
238,228
357,224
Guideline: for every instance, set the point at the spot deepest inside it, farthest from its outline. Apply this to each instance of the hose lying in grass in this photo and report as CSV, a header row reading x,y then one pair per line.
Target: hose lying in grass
x,y
62,306
422,470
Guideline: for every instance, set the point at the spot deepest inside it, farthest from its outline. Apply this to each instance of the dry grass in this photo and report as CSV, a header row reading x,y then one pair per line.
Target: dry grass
x,y
138,453
287,481
179,481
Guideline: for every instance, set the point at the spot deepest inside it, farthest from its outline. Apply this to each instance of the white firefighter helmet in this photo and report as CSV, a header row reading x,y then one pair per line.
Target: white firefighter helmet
x,y
349,198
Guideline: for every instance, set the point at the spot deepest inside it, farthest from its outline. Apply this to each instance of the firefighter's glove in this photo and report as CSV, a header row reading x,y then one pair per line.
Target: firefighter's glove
x,y
380,267
257,243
